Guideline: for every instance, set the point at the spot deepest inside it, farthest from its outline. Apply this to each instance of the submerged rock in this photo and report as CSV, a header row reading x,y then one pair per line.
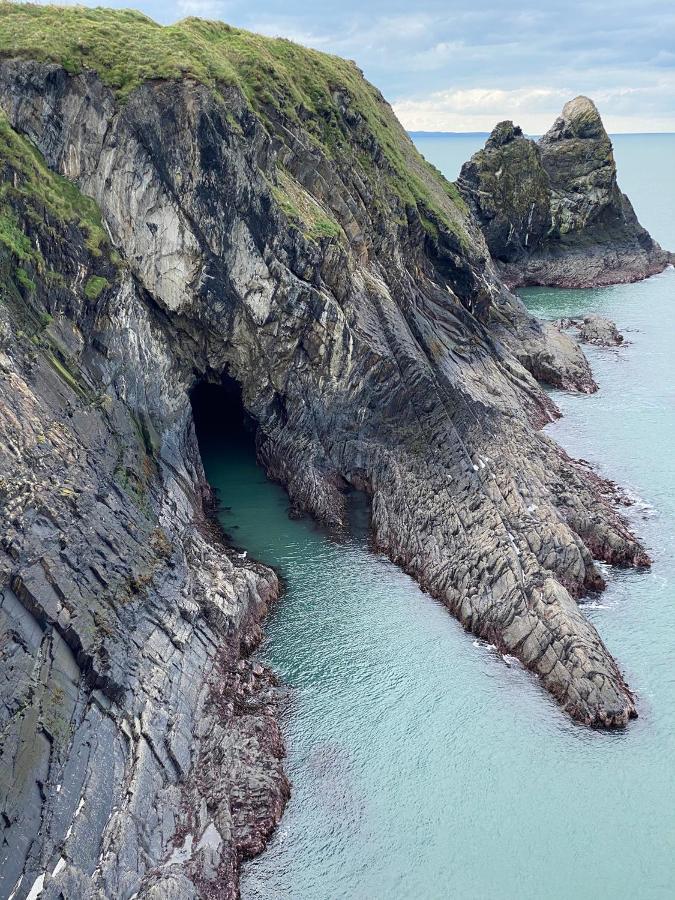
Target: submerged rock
x,y
552,212
287,235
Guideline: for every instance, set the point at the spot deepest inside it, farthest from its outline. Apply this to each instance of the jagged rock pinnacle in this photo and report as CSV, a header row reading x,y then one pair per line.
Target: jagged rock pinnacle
x,y
552,211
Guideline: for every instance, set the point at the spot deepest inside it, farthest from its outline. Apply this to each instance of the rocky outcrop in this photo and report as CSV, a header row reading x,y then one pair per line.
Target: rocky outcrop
x,y
600,331
552,212
275,239
594,329
543,348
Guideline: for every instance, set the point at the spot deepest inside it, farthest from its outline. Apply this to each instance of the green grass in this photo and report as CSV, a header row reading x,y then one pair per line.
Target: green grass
x,y
280,79
37,206
35,201
303,211
11,234
25,280
95,287
29,182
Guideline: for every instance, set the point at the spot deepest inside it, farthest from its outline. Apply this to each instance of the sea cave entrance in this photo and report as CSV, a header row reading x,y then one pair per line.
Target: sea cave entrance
x,y
221,422
252,511
226,438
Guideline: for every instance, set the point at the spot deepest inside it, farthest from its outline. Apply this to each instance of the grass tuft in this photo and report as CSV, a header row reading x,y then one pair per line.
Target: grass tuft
x,y
95,287
303,211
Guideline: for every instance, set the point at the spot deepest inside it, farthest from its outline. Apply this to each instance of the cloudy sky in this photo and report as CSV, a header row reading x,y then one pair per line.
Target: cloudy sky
x,y
462,65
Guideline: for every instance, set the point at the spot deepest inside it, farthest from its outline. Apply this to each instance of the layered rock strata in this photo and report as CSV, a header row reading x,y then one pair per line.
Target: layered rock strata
x,y
375,348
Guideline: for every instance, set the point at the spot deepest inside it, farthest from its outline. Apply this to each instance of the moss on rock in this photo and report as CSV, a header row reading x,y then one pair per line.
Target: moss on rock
x,y
40,190
95,287
303,210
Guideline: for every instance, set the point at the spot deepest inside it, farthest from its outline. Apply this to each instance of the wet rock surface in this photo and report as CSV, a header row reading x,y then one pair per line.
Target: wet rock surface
x,y
142,756
593,329
552,212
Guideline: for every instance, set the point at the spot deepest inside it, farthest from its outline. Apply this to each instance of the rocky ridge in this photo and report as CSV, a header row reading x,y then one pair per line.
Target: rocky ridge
x,y
275,239
552,212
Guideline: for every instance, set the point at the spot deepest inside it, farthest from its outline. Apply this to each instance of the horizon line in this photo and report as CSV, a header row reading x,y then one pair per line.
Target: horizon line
x,y
483,133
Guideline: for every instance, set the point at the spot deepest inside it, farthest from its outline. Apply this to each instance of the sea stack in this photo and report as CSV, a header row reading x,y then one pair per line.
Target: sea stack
x,y
552,212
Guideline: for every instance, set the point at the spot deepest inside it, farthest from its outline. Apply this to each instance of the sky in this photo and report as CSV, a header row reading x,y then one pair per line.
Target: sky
x,y
464,65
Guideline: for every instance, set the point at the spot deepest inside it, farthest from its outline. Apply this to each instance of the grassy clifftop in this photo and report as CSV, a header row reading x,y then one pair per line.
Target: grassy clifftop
x,y
127,48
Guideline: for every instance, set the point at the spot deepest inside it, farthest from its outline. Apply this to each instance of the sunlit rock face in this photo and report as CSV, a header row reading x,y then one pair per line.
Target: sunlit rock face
x,y
552,211
358,310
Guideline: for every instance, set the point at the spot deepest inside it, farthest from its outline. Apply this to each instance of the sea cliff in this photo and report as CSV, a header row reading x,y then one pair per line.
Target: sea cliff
x,y
185,203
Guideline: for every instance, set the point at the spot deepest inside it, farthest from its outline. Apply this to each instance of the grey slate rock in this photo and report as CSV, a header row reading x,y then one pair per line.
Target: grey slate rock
x,y
147,743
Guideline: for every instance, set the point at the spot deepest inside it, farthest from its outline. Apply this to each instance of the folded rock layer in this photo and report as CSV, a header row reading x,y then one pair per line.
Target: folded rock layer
x,y
289,236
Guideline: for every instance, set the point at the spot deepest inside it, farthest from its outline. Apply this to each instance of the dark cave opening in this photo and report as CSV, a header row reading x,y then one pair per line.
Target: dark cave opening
x,y
226,438
226,435
220,417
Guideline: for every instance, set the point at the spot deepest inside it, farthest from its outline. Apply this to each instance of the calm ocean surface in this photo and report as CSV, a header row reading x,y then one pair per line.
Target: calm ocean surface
x,y
422,765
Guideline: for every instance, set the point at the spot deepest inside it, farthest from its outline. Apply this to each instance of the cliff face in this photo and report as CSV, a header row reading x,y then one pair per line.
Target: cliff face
x,y
552,211
296,242
122,616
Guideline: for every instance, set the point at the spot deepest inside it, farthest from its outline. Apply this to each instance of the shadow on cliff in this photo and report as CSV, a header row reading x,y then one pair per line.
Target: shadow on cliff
x,y
226,432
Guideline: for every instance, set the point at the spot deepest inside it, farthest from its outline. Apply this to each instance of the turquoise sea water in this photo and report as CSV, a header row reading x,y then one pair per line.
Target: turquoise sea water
x,y
424,766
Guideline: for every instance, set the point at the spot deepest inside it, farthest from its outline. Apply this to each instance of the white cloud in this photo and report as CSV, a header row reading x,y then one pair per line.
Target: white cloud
x,y
354,37
281,28
624,109
479,109
205,9
466,64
